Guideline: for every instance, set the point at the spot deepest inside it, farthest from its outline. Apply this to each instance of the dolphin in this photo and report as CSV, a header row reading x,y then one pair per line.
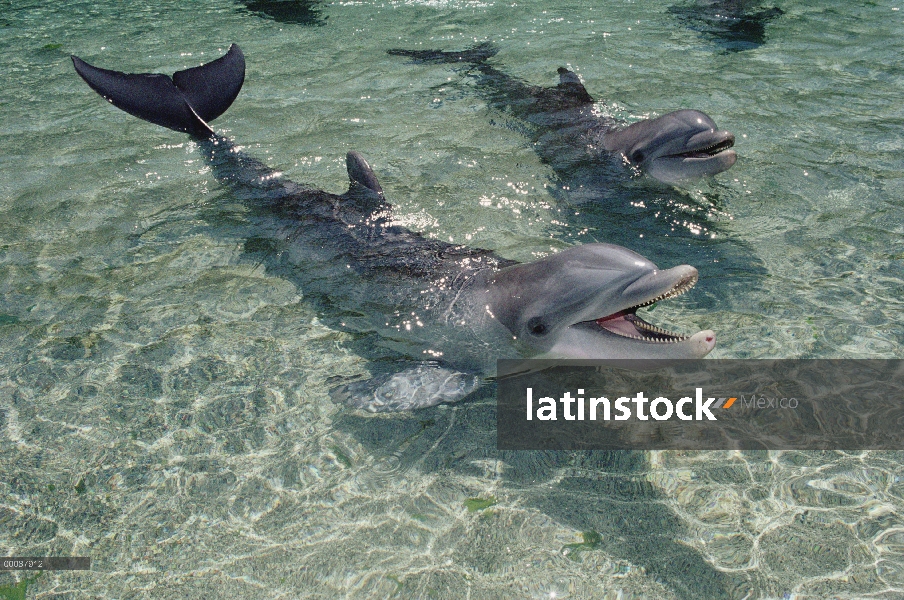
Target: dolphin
x,y
570,134
736,25
295,12
433,314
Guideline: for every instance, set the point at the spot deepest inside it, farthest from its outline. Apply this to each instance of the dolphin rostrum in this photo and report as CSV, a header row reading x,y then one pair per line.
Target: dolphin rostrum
x,y
570,134
431,313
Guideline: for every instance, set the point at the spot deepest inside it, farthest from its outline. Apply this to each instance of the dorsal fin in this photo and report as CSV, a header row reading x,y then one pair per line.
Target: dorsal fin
x,y
571,84
185,102
364,190
359,172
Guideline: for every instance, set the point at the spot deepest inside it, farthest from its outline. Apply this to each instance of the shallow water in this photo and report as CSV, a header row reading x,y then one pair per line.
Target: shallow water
x,y
164,401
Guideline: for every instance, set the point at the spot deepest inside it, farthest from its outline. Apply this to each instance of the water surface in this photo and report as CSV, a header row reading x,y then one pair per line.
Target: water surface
x,y
164,401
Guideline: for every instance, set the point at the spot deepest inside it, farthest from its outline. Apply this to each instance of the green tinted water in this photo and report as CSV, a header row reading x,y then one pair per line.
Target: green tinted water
x,y
164,403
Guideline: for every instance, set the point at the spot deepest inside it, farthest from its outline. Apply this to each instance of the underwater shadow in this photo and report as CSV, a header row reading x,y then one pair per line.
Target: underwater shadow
x,y
294,12
600,493
735,25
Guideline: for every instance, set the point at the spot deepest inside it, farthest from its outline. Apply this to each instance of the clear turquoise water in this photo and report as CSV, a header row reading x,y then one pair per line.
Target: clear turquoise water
x,y
163,403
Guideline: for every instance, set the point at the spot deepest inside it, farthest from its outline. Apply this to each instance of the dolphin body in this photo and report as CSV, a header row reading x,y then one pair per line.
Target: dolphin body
x,y
295,12
432,313
578,142
736,25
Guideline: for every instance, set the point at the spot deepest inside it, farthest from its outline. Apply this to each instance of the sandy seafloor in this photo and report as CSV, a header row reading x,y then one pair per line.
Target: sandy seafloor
x,y
164,404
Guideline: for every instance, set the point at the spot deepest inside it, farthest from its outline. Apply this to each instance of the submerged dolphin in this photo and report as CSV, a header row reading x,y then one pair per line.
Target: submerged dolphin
x,y
431,311
571,135
296,12
736,25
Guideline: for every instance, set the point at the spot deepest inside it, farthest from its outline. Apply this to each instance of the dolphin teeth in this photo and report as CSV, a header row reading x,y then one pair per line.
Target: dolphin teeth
x,y
718,147
642,330
640,324
680,288
708,151
615,323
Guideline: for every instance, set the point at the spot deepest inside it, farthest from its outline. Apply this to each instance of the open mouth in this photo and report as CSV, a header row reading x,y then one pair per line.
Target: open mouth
x,y
708,151
626,323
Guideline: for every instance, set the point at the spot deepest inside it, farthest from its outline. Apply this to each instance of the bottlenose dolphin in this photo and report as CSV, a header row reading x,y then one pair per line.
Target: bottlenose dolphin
x,y
573,137
295,12
736,25
433,313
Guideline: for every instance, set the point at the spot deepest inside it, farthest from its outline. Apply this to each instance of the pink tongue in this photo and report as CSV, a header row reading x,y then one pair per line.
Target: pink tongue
x,y
618,323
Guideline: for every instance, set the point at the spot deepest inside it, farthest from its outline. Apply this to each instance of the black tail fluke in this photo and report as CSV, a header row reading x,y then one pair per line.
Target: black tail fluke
x,y
474,55
186,102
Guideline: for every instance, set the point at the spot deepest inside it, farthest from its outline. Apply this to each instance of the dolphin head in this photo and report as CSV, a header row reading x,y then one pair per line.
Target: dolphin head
x,y
677,146
582,303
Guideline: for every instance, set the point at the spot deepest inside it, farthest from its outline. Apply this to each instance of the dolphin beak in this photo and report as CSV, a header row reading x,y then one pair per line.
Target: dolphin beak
x,y
635,333
707,144
702,343
662,284
704,153
653,287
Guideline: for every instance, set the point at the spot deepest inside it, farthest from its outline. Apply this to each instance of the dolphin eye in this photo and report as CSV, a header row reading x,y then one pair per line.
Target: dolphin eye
x,y
637,157
536,326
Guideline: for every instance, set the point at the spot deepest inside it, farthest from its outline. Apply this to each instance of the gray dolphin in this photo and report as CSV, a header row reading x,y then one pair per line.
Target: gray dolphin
x,y
570,134
431,313
736,25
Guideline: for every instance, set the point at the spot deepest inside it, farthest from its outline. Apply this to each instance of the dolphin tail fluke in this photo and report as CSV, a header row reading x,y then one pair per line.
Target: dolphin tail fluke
x,y
186,102
474,55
